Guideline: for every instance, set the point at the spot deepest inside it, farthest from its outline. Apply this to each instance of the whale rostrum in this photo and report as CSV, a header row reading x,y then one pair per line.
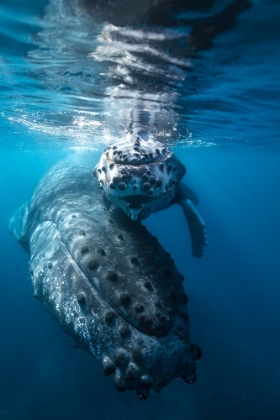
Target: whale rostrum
x,y
106,280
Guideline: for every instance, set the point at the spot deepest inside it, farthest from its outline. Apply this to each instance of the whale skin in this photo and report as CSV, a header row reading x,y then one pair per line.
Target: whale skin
x,y
106,280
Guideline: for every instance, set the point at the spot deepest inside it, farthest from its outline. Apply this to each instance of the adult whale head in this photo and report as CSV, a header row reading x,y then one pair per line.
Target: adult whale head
x,y
106,280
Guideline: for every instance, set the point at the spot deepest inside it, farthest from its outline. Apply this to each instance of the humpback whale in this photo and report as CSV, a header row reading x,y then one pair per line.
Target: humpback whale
x,y
142,176
96,269
106,281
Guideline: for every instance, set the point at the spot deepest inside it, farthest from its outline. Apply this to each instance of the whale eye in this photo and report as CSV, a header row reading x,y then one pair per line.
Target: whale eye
x,y
135,206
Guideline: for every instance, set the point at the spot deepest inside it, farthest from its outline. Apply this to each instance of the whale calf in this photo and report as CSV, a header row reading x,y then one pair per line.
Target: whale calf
x,y
106,280
143,176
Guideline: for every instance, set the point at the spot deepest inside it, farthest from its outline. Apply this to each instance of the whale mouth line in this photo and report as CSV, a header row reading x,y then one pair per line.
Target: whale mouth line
x,y
136,161
137,198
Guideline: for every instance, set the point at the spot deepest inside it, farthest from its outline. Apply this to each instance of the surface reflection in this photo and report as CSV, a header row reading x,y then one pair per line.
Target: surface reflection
x,y
129,68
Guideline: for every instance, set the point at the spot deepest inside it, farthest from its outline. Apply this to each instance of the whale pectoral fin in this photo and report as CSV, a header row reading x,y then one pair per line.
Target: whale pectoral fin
x,y
17,224
185,192
196,227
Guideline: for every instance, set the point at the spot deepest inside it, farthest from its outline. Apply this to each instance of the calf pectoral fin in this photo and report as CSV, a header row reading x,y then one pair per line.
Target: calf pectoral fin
x,y
17,224
196,227
185,192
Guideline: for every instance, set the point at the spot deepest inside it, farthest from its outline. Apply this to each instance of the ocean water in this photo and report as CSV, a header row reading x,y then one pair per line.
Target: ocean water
x,y
69,85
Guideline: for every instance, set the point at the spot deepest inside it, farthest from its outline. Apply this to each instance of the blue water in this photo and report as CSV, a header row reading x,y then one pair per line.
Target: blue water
x,y
226,113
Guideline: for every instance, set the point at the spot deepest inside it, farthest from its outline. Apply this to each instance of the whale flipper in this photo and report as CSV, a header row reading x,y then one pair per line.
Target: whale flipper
x,y
17,224
196,227
187,193
187,199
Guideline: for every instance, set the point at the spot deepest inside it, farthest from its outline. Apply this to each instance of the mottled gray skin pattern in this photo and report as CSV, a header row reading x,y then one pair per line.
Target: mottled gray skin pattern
x,y
142,176
106,280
